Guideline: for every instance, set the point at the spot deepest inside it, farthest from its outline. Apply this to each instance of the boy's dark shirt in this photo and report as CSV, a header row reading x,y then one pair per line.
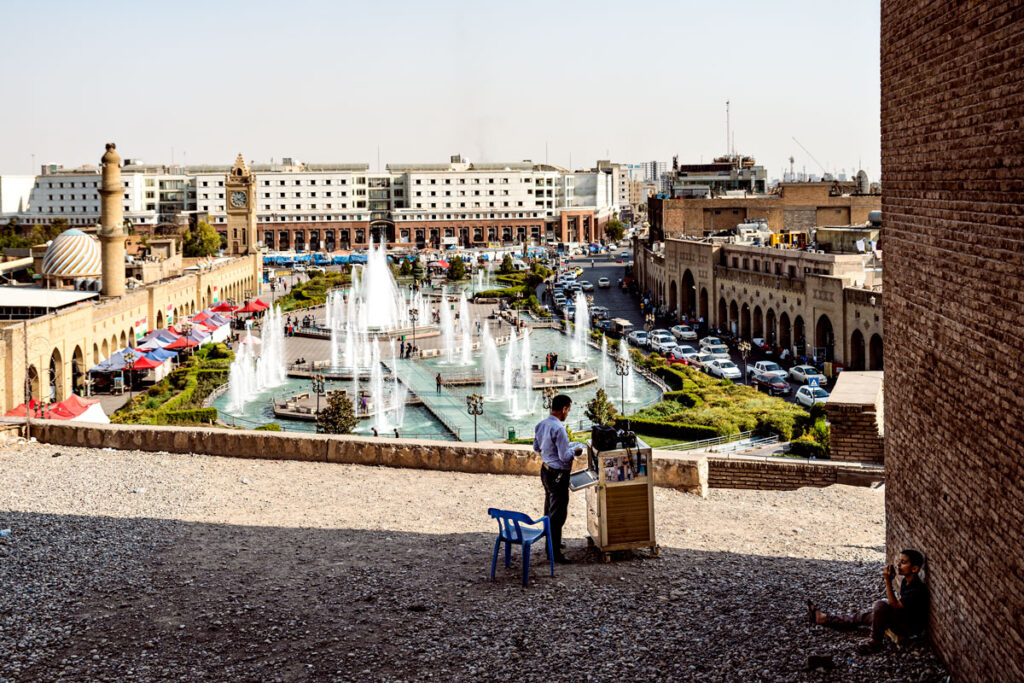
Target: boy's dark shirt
x,y
914,598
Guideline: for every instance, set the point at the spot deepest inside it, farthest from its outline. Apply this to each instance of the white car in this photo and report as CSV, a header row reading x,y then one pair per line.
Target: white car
x,y
637,338
803,373
725,369
703,360
586,286
685,352
719,351
766,367
808,396
710,341
604,283
684,333
662,342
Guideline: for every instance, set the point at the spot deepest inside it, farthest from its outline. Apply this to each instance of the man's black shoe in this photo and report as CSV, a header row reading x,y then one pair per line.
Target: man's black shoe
x,y
562,559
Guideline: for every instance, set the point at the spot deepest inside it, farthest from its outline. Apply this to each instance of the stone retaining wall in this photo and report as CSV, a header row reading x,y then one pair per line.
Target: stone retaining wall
x,y
778,474
679,471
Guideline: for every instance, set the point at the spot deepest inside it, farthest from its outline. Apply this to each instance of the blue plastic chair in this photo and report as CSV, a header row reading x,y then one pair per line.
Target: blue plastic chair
x,y
511,531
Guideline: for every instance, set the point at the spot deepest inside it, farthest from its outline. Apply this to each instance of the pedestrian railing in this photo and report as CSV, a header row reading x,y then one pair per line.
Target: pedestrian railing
x,y
705,444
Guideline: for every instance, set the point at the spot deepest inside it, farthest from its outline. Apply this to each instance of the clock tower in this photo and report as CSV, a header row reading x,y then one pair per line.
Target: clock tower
x,y
240,203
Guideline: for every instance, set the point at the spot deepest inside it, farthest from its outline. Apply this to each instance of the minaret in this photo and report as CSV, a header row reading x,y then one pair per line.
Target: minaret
x,y
111,230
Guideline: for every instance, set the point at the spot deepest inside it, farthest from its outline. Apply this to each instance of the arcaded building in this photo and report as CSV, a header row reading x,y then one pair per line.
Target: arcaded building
x,y
50,337
824,305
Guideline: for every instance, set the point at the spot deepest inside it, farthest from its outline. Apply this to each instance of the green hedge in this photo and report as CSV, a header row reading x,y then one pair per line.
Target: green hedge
x,y
269,427
687,397
806,447
176,417
683,432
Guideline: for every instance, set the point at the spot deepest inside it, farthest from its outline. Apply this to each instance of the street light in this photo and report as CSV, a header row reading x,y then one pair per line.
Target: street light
x,y
622,369
129,362
475,406
649,322
414,314
744,349
318,388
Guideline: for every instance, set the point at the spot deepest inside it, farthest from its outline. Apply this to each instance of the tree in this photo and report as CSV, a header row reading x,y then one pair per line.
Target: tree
x,y
456,269
338,416
600,410
405,270
506,265
417,269
203,241
614,230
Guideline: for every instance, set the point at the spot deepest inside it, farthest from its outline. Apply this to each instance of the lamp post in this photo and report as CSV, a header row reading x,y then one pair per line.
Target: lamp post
x,y
649,322
622,369
318,388
475,406
129,362
744,349
414,314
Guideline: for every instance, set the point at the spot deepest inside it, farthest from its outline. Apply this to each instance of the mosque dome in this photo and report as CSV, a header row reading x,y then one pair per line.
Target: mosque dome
x,y
72,254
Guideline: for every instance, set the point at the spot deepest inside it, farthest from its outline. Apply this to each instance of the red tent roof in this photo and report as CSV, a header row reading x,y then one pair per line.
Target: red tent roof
x,y
223,307
68,409
262,304
251,307
144,363
200,317
181,343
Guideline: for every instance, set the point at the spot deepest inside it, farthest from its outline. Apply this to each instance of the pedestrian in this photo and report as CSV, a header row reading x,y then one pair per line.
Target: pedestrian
x,y
396,433
401,349
439,382
374,431
552,442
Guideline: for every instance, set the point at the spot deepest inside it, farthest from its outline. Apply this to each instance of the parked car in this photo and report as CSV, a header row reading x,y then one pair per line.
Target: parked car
x,y
685,354
808,396
771,384
766,367
702,360
684,333
604,325
801,374
638,338
724,369
624,255
718,351
586,286
599,312
621,327
710,341
662,341
604,283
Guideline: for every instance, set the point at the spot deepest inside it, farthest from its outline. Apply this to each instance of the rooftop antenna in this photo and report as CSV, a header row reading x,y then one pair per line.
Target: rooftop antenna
x,y
792,173
728,126
810,155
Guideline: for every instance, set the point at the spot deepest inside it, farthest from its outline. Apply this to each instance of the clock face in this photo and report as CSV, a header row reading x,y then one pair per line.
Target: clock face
x,y
238,199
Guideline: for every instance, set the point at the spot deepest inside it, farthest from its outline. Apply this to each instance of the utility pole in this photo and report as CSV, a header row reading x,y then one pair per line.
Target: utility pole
x,y
28,381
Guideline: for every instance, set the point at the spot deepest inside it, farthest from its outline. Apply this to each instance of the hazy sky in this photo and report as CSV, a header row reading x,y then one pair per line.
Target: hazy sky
x,y
332,81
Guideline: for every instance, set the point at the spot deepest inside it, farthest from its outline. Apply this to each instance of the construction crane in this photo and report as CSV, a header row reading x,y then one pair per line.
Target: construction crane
x,y
823,171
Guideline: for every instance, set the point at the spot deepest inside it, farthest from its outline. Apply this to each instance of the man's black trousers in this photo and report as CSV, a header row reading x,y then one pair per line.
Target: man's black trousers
x,y
556,502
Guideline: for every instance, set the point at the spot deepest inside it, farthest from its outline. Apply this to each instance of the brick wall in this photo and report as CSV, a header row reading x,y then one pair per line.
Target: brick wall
x,y
953,182
778,474
854,434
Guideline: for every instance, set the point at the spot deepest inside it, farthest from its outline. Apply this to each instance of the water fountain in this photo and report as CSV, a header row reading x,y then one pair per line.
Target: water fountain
x,y
629,384
249,374
466,330
508,375
605,364
491,364
447,328
581,332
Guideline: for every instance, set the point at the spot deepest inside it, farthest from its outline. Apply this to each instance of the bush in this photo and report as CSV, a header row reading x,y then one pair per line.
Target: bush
x,y
175,417
270,426
688,398
683,432
805,447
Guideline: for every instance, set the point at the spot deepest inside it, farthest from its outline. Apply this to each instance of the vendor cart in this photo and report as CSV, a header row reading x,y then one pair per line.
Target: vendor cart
x,y
620,499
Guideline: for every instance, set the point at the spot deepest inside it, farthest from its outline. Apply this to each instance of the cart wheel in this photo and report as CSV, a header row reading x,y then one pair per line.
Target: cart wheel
x,y
607,557
655,550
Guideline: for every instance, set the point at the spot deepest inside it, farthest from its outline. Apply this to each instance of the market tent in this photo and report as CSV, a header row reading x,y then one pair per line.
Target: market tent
x,y
250,307
73,408
168,335
199,336
223,307
155,343
262,304
200,316
438,264
181,343
161,355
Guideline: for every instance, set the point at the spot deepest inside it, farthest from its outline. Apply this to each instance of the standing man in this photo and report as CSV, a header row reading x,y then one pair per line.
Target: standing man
x,y
438,379
552,442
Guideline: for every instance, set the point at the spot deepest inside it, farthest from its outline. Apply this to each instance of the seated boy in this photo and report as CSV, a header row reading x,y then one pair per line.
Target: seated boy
x,y
905,615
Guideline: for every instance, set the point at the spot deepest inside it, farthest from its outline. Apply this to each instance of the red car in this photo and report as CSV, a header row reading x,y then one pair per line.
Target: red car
x,y
771,384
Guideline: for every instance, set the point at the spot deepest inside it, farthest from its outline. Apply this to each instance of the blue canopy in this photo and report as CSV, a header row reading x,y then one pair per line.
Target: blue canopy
x,y
340,259
160,355
302,258
357,258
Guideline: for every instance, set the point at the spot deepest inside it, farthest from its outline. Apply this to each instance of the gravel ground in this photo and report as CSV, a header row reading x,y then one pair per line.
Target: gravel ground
x,y
139,566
